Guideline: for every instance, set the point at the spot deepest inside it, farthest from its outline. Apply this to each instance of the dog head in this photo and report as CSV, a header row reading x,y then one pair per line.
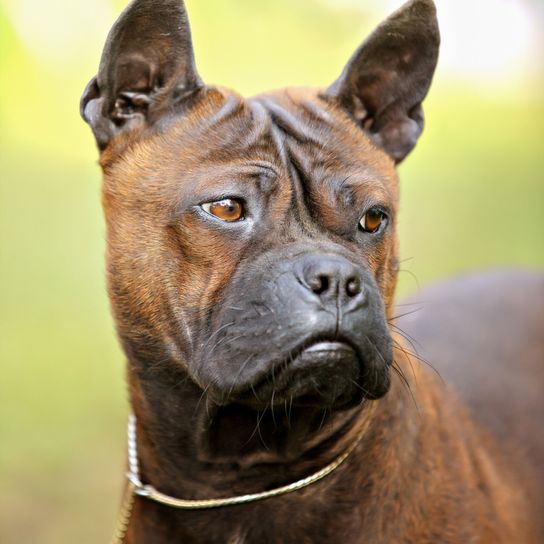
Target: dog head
x,y
251,242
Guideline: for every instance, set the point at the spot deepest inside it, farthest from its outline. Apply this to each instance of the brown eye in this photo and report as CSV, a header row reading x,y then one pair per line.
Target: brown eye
x,y
229,210
373,220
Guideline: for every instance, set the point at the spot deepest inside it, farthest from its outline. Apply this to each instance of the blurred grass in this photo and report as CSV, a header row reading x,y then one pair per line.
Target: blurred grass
x,y
472,193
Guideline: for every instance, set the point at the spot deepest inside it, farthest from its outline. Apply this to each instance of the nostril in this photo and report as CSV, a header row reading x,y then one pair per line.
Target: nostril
x,y
353,286
319,284
332,279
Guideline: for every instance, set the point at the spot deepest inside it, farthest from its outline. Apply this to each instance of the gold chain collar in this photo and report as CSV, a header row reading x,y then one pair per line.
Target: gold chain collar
x,y
136,488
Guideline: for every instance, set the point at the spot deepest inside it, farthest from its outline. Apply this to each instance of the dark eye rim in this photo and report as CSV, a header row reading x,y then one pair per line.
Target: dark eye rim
x,y
240,201
384,224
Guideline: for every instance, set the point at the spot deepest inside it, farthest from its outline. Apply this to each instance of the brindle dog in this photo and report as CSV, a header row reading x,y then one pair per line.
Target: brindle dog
x,y
252,261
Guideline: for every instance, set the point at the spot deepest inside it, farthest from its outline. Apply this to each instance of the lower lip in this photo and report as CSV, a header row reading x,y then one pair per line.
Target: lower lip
x,y
333,364
328,346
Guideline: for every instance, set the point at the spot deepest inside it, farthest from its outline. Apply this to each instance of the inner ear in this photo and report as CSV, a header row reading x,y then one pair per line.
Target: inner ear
x,y
147,70
385,81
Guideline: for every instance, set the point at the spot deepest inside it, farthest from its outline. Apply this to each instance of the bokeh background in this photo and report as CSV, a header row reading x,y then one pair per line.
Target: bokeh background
x,y
473,197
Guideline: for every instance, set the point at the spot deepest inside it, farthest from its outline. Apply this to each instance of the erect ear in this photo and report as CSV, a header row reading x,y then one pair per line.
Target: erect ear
x,y
147,70
388,77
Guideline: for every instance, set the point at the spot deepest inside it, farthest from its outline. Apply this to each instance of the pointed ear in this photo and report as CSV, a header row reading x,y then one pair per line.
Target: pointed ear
x,y
388,77
147,70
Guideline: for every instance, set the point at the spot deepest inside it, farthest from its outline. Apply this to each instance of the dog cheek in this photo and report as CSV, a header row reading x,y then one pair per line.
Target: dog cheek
x,y
253,326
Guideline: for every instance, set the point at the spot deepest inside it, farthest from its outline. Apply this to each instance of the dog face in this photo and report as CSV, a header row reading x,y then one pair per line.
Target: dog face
x,y
251,242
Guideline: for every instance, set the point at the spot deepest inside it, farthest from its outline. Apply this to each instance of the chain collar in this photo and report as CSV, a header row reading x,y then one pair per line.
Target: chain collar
x,y
135,486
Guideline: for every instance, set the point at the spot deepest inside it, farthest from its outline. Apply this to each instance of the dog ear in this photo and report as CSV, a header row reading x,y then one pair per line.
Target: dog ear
x,y
147,70
388,77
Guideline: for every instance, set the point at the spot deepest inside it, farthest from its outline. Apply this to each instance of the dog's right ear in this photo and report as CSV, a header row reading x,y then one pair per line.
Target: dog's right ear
x,y
147,70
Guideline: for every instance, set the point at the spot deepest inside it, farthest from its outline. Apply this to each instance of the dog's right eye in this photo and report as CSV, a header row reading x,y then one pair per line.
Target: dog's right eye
x,y
228,209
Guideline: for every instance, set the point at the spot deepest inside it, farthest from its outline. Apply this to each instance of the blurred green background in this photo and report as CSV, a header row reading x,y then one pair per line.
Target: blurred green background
x,y
473,197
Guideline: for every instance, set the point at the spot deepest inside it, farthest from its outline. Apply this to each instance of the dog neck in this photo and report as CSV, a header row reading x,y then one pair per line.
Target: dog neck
x,y
195,449
383,477
173,460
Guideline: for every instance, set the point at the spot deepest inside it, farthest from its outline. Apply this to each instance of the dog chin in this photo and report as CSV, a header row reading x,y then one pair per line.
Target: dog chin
x,y
294,409
241,435
324,374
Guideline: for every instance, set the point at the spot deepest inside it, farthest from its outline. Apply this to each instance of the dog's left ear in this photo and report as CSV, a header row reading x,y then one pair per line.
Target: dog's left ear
x,y
146,72
386,80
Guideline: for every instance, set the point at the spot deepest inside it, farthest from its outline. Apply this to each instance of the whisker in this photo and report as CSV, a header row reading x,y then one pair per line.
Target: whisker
x,y
359,386
325,410
238,374
419,358
407,337
254,392
400,347
403,304
217,332
410,273
257,429
230,341
286,413
272,407
404,381
203,394
399,316
259,419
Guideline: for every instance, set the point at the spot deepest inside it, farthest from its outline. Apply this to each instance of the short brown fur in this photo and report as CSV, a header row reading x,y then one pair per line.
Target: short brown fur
x,y
433,466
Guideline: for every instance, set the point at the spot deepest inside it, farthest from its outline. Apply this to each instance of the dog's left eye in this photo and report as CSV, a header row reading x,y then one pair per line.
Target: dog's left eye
x,y
373,221
228,209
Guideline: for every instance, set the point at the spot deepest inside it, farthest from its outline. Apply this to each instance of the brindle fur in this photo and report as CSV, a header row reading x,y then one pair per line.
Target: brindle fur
x,y
197,306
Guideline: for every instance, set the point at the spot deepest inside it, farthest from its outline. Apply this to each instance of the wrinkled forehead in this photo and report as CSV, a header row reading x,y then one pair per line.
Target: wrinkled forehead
x,y
276,137
323,144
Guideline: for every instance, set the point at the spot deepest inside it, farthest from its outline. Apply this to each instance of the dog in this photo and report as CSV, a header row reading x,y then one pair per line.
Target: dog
x,y
251,266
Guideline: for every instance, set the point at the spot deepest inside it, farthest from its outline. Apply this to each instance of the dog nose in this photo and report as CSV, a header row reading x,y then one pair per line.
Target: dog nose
x,y
333,279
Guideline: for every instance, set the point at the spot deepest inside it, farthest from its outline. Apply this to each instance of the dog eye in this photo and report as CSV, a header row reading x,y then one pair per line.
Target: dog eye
x,y
228,209
373,220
